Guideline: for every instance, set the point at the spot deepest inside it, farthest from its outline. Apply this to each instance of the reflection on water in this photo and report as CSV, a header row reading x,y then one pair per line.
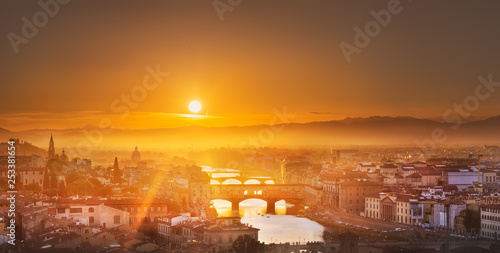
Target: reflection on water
x,y
210,169
285,228
249,207
280,227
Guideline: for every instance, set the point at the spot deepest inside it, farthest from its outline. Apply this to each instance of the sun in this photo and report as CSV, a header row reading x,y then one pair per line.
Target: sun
x,y
194,106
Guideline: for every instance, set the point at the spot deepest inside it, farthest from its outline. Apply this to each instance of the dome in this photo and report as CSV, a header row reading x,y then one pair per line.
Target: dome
x,y
136,155
63,157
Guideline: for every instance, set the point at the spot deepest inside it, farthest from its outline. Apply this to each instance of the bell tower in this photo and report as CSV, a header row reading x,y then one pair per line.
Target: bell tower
x,y
52,150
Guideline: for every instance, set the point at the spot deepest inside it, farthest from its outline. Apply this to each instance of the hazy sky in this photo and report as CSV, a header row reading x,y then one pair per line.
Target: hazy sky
x,y
264,55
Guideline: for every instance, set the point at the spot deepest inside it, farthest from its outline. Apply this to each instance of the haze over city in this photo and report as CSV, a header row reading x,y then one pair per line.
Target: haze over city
x,y
250,126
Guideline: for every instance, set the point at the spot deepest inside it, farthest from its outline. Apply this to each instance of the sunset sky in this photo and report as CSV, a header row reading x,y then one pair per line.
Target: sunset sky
x,y
264,55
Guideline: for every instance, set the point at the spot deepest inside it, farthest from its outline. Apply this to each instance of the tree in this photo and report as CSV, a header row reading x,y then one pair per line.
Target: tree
x,y
62,189
95,182
247,244
105,191
73,176
46,180
53,181
472,220
80,187
117,173
19,180
33,187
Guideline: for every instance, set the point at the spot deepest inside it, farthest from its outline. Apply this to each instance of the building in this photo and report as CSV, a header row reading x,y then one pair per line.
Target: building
x,y
388,169
31,161
352,194
136,156
490,221
331,185
366,167
218,236
225,231
165,225
92,214
441,218
409,211
372,205
27,175
141,212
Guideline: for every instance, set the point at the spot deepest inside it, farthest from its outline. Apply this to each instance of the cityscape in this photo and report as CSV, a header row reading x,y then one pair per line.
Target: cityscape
x,y
235,126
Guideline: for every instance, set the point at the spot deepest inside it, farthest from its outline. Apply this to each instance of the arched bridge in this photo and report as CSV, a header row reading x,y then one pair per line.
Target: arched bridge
x,y
271,193
244,180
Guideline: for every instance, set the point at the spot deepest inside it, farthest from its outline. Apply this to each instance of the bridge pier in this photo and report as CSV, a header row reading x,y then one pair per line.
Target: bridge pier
x,y
271,206
235,206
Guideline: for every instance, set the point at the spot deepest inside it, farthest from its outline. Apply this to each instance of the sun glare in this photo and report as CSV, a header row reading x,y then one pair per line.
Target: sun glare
x,y
195,106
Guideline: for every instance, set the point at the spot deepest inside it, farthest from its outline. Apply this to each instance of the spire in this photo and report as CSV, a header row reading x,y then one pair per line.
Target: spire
x,y
52,150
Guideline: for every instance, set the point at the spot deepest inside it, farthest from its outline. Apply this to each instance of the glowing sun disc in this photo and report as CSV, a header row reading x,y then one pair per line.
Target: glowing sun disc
x,y
194,106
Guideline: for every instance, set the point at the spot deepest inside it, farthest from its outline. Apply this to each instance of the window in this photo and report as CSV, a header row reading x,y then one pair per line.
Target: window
x,y
91,210
117,219
230,239
61,210
220,238
91,219
75,210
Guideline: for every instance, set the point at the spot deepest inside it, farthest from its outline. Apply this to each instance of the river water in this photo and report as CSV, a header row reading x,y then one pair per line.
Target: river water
x,y
280,228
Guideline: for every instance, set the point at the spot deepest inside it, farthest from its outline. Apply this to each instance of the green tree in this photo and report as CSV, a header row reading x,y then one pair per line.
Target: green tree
x,y
247,244
133,189
46,180
73,176
117,173
80,187
62,190
105,191
95,182
32,187
19,180
472,220
53,180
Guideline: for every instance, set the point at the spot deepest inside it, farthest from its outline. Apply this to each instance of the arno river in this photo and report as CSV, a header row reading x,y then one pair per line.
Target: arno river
x,y
280,228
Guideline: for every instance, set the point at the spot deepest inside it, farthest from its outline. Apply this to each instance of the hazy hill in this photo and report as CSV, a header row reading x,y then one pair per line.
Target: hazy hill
x,y
350,131
22,149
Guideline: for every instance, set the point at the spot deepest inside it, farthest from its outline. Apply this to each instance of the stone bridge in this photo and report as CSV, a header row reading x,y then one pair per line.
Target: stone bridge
x,y
243,180
271,193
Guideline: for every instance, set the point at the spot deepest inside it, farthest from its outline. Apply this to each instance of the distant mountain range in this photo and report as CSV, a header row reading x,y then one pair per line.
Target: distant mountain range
x,y
350,131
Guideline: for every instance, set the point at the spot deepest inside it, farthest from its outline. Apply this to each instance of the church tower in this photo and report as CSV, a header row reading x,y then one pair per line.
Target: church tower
x,y
52,150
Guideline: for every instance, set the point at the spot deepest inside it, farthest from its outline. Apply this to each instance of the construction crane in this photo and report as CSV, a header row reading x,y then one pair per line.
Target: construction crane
x,y
479,157
447,230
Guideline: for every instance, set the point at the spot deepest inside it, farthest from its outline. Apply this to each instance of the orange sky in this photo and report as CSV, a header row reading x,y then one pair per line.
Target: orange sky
x,y
264,55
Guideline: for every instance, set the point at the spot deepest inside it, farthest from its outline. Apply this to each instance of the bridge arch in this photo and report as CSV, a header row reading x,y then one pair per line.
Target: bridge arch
x,y
252,181
224,205
231,181
269,181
